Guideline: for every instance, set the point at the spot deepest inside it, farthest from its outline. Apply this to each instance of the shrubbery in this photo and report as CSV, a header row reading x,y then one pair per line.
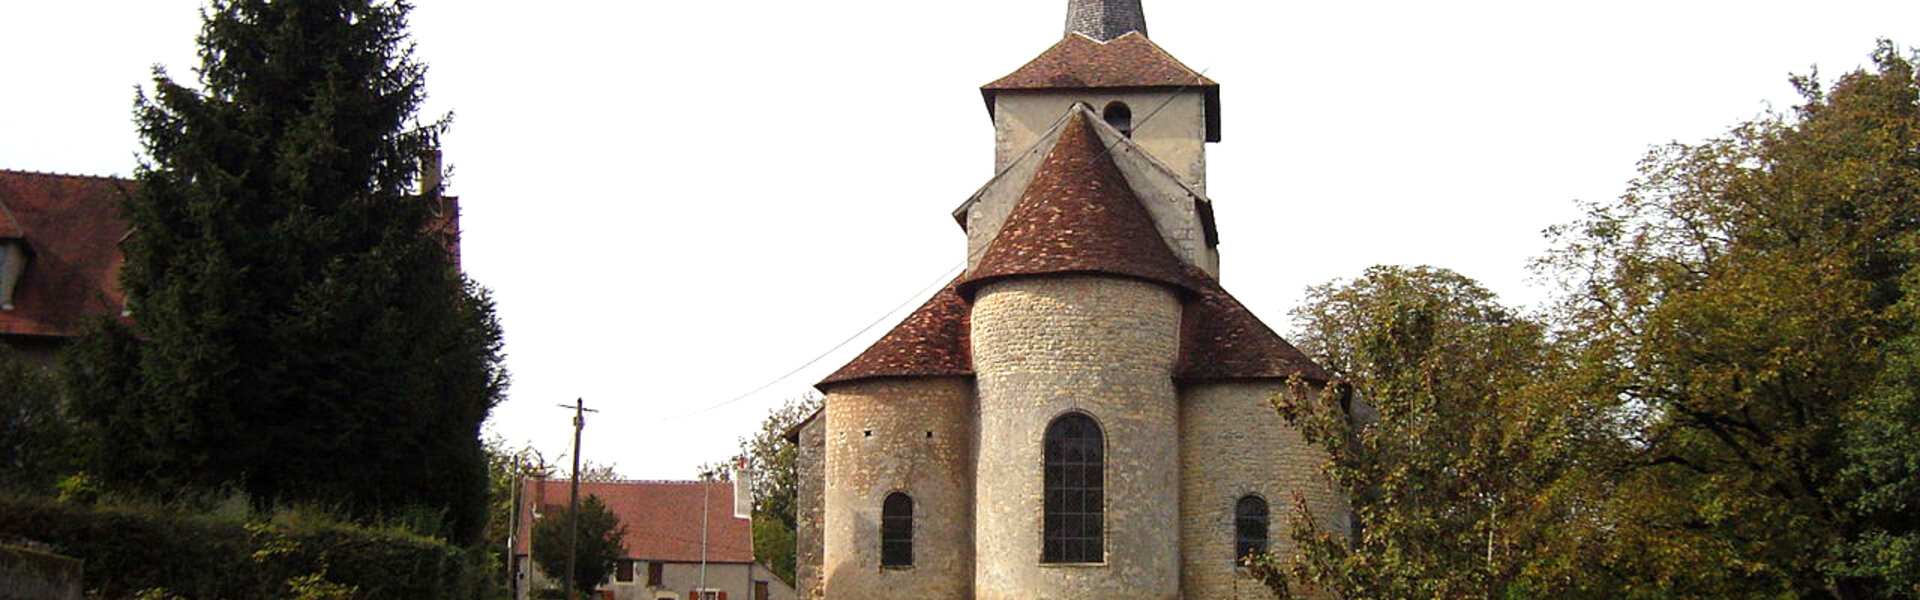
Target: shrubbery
x,y
162,553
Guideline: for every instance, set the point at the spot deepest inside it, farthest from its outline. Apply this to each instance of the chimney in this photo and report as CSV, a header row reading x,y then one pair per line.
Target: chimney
x,y
430,174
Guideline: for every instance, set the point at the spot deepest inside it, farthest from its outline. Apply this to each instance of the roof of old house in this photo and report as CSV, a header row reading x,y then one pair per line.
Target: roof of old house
x,y
1129,61
662,517
72,225
932,341
1078,215
1222,340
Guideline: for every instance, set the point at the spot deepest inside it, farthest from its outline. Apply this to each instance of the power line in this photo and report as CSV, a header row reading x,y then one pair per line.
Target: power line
x,y
944,277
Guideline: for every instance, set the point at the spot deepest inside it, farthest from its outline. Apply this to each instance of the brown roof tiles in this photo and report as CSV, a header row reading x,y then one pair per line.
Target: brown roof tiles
x,y
1129,61
1078,215
932,341
1221,340
73,226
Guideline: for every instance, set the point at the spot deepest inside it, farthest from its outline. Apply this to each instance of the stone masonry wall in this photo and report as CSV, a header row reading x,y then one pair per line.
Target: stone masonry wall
x,y
1176,135
899,435
1232,443
1045,346
809,500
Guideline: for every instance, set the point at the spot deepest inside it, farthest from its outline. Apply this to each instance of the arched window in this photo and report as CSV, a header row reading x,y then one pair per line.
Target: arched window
x,y
1075,497
896,531
1250,527
1120,117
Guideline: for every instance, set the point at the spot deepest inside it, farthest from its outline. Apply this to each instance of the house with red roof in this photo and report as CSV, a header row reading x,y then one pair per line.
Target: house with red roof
x,y
59,257
684,539
1085,412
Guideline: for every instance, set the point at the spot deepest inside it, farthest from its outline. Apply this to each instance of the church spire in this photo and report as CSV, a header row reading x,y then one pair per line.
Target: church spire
x,y
1104,20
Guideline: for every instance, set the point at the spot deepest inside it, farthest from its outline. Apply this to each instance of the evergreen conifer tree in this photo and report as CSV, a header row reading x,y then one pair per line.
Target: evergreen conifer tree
x,y
302,331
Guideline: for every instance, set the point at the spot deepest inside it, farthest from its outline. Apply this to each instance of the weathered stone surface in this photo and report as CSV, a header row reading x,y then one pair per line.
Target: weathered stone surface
x,y
1233,444
809,504
1103,346
1105,19
899,435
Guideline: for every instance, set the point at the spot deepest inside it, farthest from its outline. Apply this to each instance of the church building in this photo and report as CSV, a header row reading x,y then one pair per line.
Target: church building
x,y
1084,413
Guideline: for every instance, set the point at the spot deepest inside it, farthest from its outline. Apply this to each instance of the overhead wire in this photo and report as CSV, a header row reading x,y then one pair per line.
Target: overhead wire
x,y
944,277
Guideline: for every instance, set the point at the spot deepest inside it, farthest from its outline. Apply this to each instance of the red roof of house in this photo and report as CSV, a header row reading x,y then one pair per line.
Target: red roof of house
x,y
1078,215
1221,340
662,517
1129,61
73,227
931,342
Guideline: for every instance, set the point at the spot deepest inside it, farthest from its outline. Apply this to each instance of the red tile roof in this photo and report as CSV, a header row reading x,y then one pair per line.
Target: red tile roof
x,y
1078,215
1222,340
933,341
1129,61
662,517
73,226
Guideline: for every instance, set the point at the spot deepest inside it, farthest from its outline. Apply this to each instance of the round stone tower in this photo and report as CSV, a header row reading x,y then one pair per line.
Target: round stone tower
x,y
899,435
1076,311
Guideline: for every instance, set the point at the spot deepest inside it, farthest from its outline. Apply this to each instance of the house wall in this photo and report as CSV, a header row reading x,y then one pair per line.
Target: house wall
x,y
1233,443
899,435
678,578
1176,135
1047,345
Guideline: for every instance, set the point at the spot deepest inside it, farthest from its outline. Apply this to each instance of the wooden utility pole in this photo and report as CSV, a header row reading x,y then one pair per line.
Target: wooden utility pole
x,y
580,411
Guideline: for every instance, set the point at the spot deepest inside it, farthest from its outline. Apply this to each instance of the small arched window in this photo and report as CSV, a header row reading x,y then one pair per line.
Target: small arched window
x,y
896,531
1075,486
1250,527
1120,117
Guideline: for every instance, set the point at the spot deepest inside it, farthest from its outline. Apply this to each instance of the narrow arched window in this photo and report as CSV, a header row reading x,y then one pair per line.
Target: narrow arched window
x,y
896,531
1250,527
1120,117
1075,496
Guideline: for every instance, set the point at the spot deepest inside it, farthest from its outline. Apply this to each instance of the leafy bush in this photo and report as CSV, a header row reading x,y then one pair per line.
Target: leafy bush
x,y
135,550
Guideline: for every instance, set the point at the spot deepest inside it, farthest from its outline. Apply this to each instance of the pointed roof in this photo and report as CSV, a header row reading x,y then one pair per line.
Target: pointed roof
x,y
1128,61
932,341
1105,19
1078,215
1222,340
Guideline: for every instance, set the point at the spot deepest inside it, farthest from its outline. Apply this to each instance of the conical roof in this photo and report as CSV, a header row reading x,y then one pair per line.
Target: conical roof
x,y
1221,340
933,341
1078,215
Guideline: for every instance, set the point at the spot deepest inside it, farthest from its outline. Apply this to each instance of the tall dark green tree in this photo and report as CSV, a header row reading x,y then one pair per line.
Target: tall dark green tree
x,y
302,329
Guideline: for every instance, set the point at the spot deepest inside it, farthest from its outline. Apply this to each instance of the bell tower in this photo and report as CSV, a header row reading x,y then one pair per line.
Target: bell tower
x,y
1105,61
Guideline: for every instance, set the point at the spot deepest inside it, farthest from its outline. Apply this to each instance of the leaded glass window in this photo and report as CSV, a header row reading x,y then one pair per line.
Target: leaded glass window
x,y
896,531
1250,527
1075,486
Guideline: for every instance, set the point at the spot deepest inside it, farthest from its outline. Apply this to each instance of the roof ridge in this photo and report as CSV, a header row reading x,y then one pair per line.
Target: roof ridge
x,y
59,175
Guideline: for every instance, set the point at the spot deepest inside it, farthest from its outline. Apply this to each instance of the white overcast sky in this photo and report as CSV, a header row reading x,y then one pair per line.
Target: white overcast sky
x,y
678,202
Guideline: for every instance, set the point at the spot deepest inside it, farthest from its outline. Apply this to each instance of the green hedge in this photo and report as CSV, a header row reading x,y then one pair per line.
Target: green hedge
x,y
131,549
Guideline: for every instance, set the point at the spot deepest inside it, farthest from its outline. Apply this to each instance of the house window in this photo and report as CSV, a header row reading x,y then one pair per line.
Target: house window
x,y
896,531
760,591
656,573
1250,527
1075,499
1120,117
623,572
13,262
